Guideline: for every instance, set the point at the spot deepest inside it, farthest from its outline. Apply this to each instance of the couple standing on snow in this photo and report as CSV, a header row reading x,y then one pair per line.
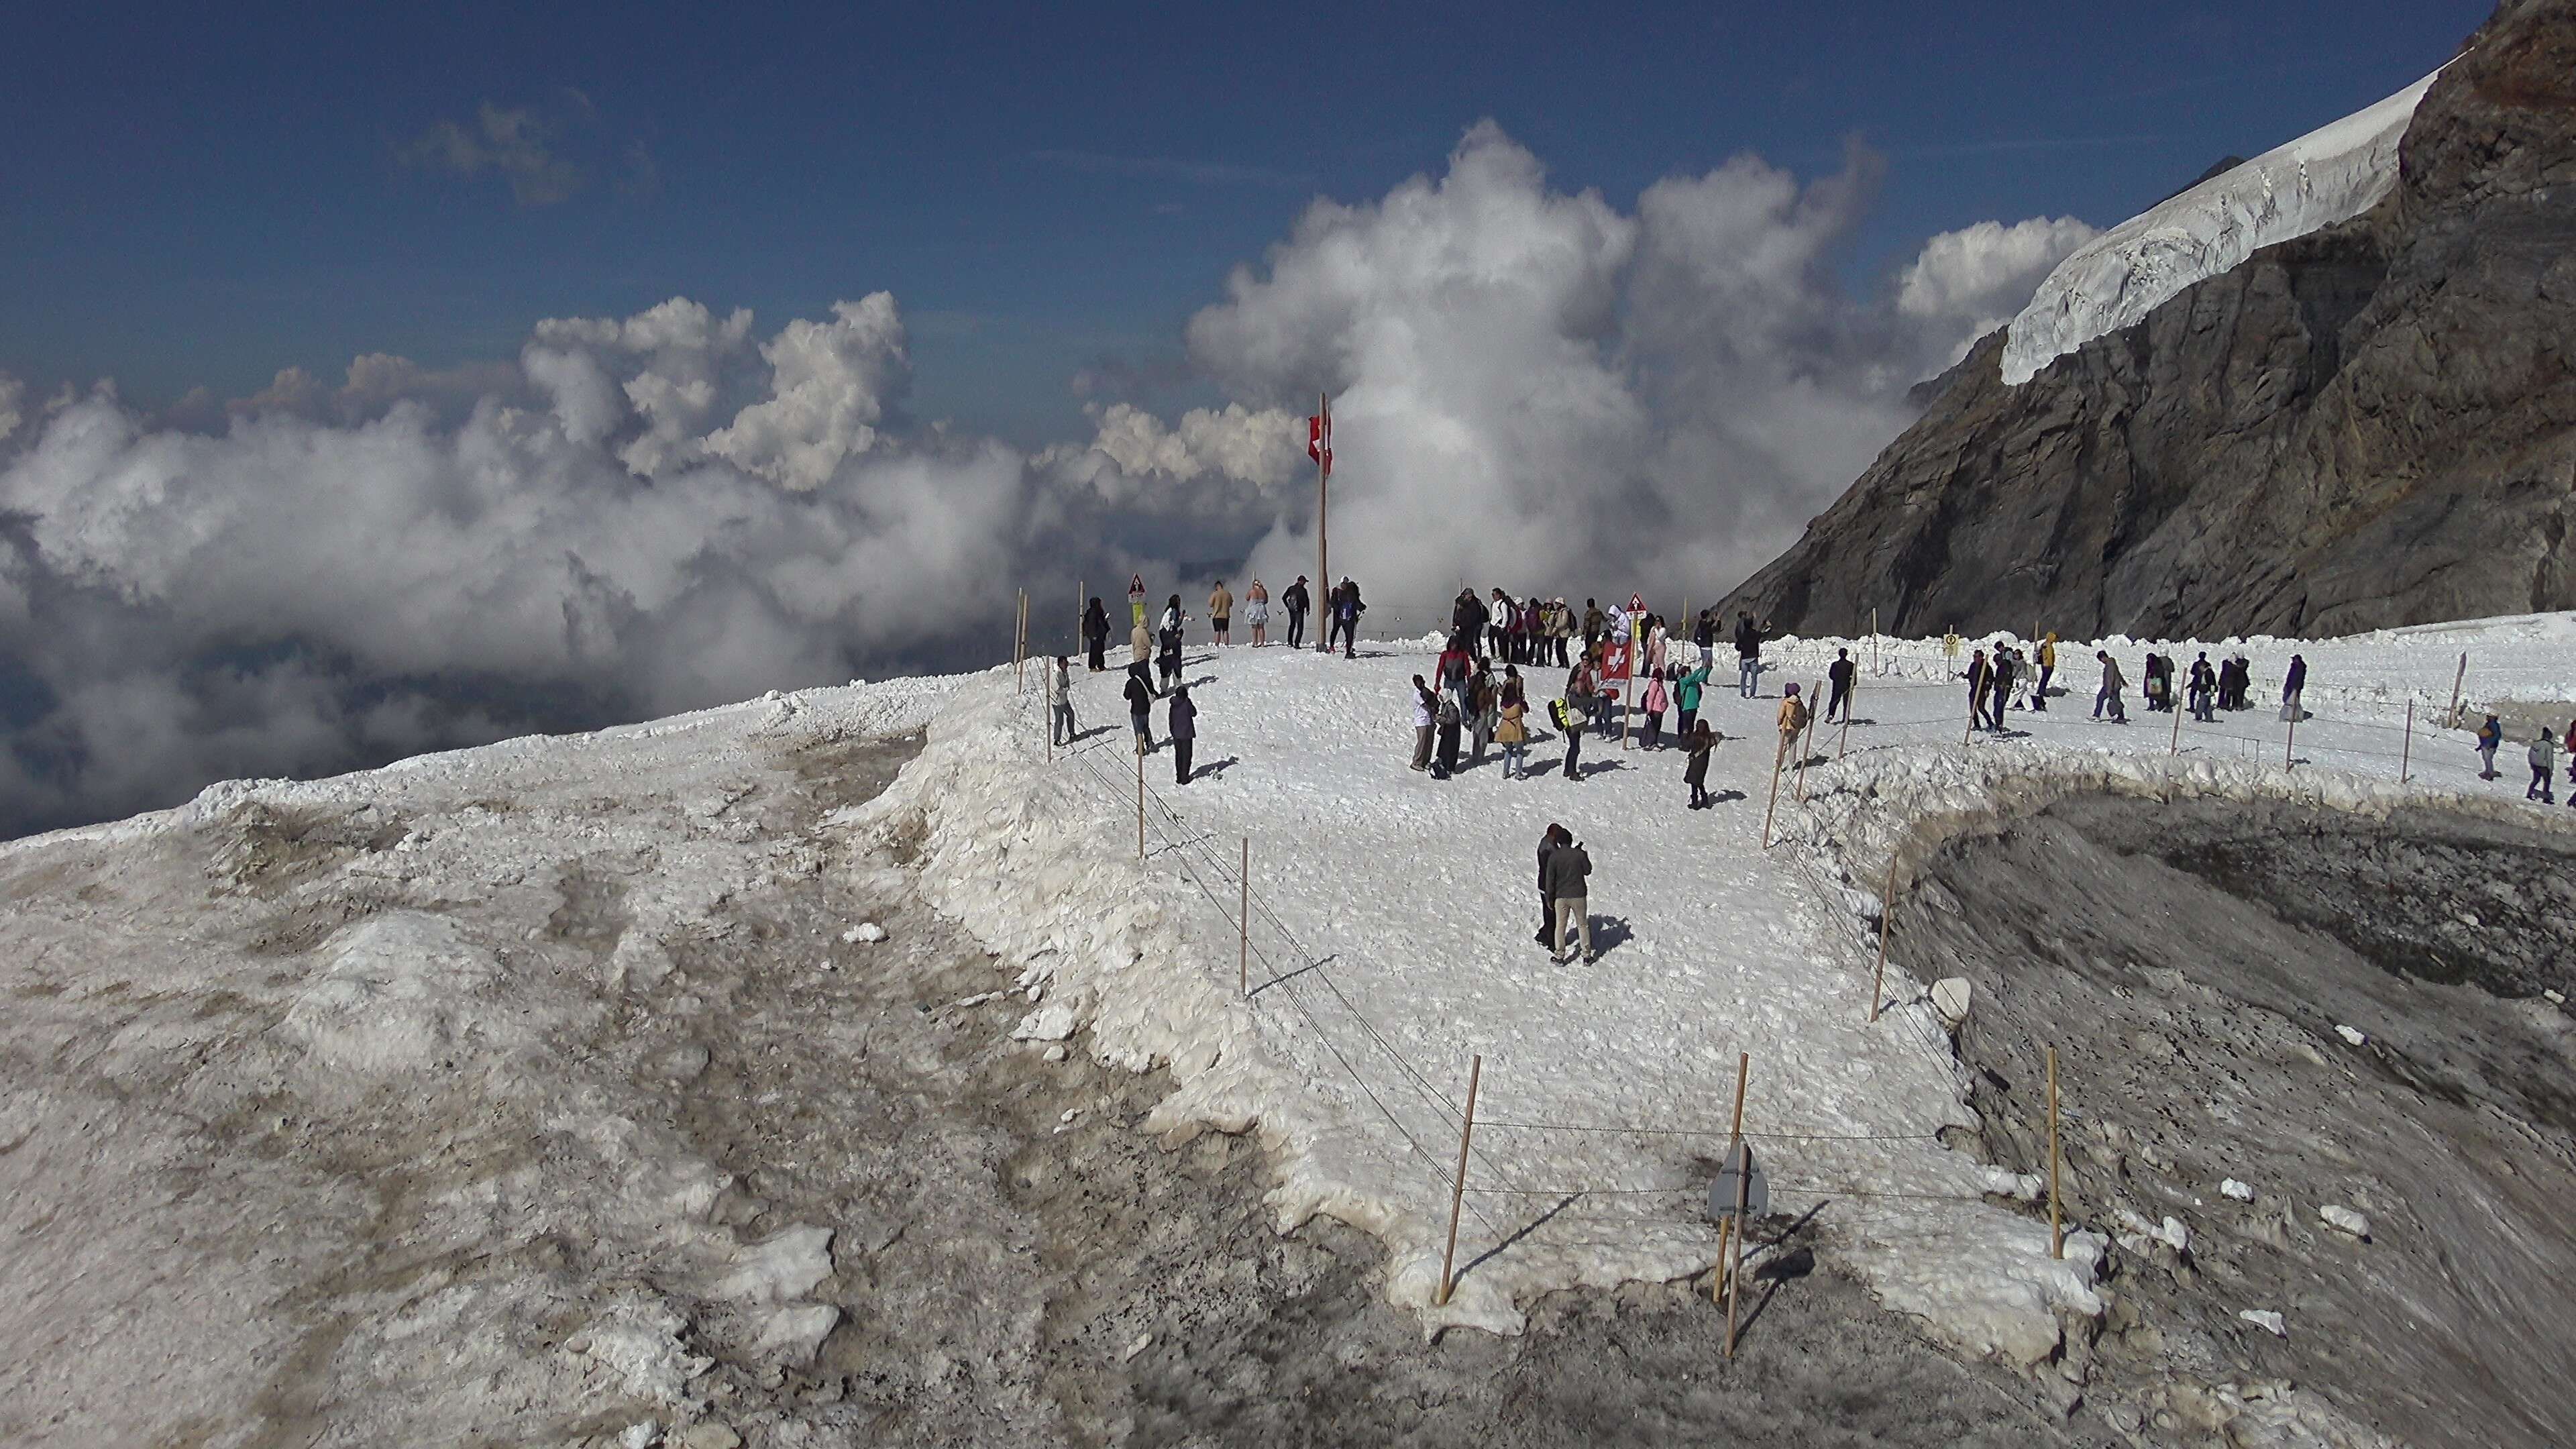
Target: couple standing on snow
x,y
1563,902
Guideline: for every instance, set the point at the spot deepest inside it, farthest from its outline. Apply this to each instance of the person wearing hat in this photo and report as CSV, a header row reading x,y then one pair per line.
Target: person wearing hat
x,y
2112,683
1793,718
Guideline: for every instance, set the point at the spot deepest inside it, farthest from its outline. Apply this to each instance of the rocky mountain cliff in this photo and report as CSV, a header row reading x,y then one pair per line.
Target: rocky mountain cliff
x,y
2372,425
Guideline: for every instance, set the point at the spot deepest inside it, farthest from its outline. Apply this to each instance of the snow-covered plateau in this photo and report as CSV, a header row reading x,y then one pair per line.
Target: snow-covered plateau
x,y
2330,175
350,953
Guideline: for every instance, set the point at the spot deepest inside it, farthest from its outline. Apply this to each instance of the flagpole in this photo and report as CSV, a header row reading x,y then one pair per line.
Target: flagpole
x,y
1323,505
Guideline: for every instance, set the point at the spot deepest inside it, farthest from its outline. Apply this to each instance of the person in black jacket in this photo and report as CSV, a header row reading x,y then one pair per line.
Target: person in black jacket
x,y
1140,708
1839,675
1167,659
1548,841
1748,652
1567,868
1185,733
1296,600
1095,633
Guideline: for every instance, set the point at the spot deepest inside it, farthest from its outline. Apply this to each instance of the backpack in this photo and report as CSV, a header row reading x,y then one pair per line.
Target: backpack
x,y
1558,716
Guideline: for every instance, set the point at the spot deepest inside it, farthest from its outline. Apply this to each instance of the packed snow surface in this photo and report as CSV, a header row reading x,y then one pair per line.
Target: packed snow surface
x,y
1391,928
1390,940
2329,175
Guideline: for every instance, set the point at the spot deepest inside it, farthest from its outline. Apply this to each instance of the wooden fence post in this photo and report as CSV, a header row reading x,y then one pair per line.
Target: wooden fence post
x,y
1020,642
1735,1137
2175,748
1776,761
1886,920
2406,753
2289,747
2457,680
2056,1218
1140,804
1743,1200
1458,1189
1813,691
1243,926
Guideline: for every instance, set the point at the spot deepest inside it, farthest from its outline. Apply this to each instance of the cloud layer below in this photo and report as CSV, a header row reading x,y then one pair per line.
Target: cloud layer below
x,y
639,515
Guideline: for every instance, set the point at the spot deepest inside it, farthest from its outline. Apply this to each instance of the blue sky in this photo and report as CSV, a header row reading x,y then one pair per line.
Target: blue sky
x,y
204,195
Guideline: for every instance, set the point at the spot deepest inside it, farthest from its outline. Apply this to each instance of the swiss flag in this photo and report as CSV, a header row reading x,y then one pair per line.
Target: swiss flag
x,y
1319,436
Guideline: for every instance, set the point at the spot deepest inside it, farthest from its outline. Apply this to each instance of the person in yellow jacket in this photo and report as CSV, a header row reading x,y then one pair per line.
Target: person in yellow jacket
x,y
1511,732
2047,667
1793,718
1220,612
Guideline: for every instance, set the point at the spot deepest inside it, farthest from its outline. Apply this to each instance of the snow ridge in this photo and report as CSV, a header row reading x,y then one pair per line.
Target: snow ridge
x,y
2327,176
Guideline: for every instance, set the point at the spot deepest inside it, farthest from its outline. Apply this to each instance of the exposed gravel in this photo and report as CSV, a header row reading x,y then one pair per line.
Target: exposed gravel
x,y
2201,967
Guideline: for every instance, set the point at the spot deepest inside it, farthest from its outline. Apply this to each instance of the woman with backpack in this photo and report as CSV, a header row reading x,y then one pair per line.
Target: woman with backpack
x,y
1573,710
1140,709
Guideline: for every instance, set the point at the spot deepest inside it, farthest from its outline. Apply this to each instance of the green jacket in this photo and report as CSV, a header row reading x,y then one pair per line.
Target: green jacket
x,y
1686,693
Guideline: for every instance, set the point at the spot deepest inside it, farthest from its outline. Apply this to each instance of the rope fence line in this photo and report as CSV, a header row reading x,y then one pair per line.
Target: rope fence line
x,y
1192,853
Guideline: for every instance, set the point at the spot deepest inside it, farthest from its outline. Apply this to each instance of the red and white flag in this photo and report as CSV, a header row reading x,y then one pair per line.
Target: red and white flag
x,y
1319,436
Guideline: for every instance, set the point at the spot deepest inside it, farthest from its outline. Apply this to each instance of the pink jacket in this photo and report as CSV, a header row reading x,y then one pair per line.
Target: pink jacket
x,y
1657,698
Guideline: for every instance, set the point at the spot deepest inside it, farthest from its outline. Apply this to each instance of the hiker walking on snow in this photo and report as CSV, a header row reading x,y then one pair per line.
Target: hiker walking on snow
x,y
2112,684
2490,735
1511,731
1185,733
1578,705
1296,600
2544,755
1793,719
1748,652
1981,677
1220,613
1140,708
1095,633
1060,702
1568,868
1347,609
1256,612
2291,686
2047,666
1839,675
1695,774
2203,689
1999,685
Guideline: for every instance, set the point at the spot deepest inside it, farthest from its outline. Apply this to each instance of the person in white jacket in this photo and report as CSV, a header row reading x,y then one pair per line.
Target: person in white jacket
x,y
1060,702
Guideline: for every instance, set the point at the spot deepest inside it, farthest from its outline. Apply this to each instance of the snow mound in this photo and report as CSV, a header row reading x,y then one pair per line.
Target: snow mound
x,y
2330,175
399,995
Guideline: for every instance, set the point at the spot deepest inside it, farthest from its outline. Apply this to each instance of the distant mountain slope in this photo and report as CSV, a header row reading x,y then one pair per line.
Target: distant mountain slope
x,y
2371,425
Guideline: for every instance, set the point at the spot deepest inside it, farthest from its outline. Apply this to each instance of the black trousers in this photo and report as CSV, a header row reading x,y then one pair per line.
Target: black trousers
x,y
1561,642
1840,703
1181,760
1098,647
1296,627
1347,632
